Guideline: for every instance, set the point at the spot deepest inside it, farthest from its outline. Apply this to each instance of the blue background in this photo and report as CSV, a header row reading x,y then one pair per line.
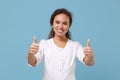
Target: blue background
x,y
98,20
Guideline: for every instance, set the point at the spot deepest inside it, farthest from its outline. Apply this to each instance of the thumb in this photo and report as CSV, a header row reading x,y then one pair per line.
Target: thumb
x,y
88,43
35,39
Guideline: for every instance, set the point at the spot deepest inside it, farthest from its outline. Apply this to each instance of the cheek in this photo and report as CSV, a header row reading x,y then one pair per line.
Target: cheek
x,y
53,26
66,28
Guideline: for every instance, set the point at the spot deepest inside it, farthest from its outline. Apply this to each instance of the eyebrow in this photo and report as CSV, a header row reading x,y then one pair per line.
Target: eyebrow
x,y
63,21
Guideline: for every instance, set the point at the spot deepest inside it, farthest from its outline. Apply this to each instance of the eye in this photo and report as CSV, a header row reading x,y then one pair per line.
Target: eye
x,y
65,23
57,22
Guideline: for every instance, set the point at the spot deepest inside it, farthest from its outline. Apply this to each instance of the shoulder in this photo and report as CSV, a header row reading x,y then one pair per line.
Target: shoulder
x,y
45,41
75,43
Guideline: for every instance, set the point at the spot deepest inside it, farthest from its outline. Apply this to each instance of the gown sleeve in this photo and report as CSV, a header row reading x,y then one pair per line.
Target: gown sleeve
x,y
80,53
40,54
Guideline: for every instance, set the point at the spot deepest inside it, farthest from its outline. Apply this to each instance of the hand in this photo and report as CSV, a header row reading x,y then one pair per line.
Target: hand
x,y
88,51
34,46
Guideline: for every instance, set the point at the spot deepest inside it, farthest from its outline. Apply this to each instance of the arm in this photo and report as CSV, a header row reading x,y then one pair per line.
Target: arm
x,y
31,59
32,51
89,60
89,55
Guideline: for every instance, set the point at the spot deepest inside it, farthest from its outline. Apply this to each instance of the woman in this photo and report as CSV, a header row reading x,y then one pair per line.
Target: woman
x,y
59,52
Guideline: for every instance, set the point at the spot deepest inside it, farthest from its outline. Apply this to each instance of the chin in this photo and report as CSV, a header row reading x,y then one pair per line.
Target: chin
x,y
60,35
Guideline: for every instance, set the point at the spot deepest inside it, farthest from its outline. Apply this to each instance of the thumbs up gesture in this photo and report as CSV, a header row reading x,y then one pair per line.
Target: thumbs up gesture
x,y
89,56
87,50
34,46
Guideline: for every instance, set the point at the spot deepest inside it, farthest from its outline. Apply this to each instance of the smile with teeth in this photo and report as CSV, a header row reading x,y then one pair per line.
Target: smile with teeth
x,y
60,30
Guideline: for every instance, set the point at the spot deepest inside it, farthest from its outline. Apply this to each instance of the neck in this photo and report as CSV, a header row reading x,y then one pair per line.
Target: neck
x,y
60,38
60,41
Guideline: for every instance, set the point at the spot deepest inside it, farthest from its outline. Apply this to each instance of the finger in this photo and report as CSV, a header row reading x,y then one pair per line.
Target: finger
x,y
34,50
87,51
35,39
89,54
86,54
87,48
34,47
88,43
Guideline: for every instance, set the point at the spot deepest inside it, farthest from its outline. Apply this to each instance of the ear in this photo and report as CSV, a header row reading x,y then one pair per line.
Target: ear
x,y
52,30
52,26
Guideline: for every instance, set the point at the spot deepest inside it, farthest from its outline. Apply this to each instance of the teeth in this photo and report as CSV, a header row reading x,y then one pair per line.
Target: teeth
x,y
60,30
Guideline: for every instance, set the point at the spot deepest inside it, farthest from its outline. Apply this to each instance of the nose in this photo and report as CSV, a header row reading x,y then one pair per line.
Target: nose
x,y
60,25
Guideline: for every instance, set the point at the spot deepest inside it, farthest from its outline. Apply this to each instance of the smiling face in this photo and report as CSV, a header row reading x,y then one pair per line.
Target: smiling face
x,y
61,25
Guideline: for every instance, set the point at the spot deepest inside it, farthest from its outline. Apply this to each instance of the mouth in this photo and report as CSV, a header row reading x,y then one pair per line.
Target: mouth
x,y
60,30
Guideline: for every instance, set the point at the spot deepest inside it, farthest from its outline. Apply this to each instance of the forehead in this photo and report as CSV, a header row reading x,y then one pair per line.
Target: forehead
x,y
62,17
